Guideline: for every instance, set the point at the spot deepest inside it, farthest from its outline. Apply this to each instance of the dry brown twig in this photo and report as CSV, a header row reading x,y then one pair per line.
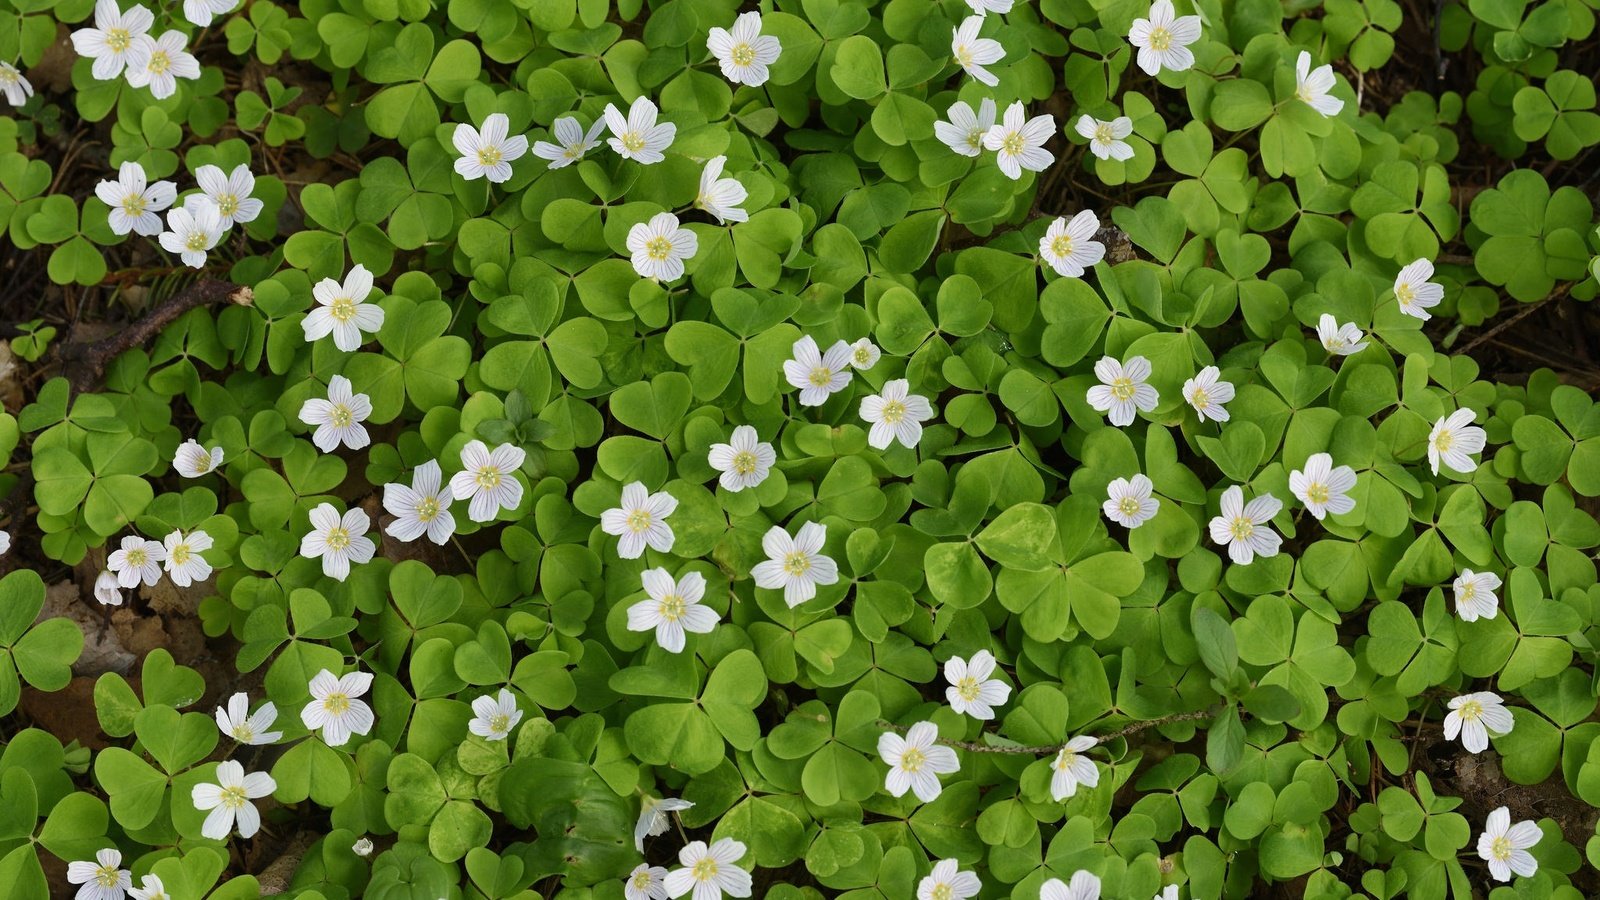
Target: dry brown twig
x,y
85,363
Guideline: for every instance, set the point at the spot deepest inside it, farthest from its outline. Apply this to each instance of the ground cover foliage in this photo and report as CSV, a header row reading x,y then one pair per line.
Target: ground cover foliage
x,y
1052,449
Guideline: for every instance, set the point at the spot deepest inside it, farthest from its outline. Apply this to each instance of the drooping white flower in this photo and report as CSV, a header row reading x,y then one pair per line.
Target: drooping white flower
x,y
1312,86
230,194
201,12
192,232
916,761
864,354
117,40
743,52
490,152
245,727
1106,139
339,541
1244,528
362,847
183,561
338,419
744,461
1414,292
646,882
229,801
984,7
1163,39
1323,487
1474,717
659,247
422,508
816,374
137,560
16,88
167,60
672,608
896,414
639,137
342,310
1071,768
1170,892
1505,846
571,142
493,717
1083,886
335,707
966,130
972,692
1207,392
1123,390
947,881
653,818
134,203
1340,340
488,479
1128,501
1475,595
103,879
1453,441
192,460
640,521
795,564
107,591
721,196
150,888
972,53
1069,246
1019,142
710,871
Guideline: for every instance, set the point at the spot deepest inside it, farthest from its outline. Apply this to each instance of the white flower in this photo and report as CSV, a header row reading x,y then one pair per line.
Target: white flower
x,y
341,310
640,521
1474,717
494,716
1244,527
15,87
119,39
818,375
338,419
193,460
571,142
1170,892
1084,886
1207,393
1322,487
488,478
150,888
916,761
1106,138
335,709
743,52
167,60
864,354
1128,501
1475,597
947,881
230,194
422,508
246,727
183,561
1123,389
965,132
1414,292
721,196
1453,441
1505,846
673,608
659,247
895,415
192,232
1340,340
1019,142
133,203
795,564
106,588
973,52
1070,247
744,461
137,560
5,542
1312,87
362,847
1164,38
338,541
646,882
200,12
983,8
229,801
972,692
710,871
638,137
653,818
103,879
1071,768
488,153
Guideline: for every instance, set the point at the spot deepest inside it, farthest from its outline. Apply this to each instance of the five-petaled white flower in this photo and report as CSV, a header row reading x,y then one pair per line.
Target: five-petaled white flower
x,y
916,761
795,564
646,882
1243,527
230,193
1453,441
721,196
1123,390
571,142
338,419
103,879
1340,340
864,354
117,40
1128,501
191,232
1323,487
947,881
493,717
1475,717
653,818
15,88
1083,885
137,560
1475,595
1019,142
1505,846
1414,292
193,460
107,591
744,461
201,12
422,508
743,52
972,692
1106,138
183,561
816,374
972,53
335,707
659,247
1164,38
150,888
134,203
1069,246
488,479
984,7
1312,86
672,608
167,59
229,801
339,541
640,520
1071,768
710,871
488,153
639,137
895,415
966,130
237,722
1207,393
342,310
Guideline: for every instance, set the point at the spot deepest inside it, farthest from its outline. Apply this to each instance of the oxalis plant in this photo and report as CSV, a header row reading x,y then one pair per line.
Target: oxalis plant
x,y
1058,449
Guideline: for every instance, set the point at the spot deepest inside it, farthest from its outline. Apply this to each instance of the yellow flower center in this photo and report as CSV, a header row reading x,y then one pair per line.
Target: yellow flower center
x,y
641,879
639,521
744,462
862,356
342,416
913,760
338,539
342,309
658,248
179,554
160,62
243,733
107,876
1128,506
488,477
1500,848
136,559
1062,246
1443,440
821,376
233,797
1241,528
975,138
197,240
1317,492
633,142
967,688
1065,759
1405,294
1012,145
1102,134
1160,39
133,204
704,869
1469,590
893,412
499,723
227,204
964,55
743,54
9,76
427,509
1470,711
489,156
1199,399
118,39
942,891
1304,93
1123,388
336,704
796,563
672,607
